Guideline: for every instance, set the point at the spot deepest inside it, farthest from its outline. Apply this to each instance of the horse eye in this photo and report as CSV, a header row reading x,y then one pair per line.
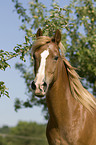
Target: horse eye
x,y
56,58
34,56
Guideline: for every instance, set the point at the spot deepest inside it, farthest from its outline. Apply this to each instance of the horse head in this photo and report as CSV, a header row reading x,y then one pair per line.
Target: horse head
x,y
46,56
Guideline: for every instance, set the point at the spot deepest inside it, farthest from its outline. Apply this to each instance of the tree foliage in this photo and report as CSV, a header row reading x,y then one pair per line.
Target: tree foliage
x,y
77,22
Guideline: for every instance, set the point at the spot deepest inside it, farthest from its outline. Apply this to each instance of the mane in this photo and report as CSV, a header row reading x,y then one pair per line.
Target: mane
x,y
77,90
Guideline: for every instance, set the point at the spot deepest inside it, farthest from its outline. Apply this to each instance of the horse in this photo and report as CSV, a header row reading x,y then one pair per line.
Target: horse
x,y
72,109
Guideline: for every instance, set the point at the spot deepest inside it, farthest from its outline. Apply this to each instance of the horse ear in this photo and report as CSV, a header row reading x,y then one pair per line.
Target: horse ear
x,y
57,36
39,33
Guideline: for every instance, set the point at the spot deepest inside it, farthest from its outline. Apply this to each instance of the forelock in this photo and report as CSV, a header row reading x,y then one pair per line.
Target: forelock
x,y
42,40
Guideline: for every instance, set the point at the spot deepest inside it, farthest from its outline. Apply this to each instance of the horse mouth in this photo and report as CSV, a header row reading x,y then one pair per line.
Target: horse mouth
x,y
39,94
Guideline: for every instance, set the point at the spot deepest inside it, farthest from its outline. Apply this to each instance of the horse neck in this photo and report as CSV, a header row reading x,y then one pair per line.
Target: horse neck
x,y
60,102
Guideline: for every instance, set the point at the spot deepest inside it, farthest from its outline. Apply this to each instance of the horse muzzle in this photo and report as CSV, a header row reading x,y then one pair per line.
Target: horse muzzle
x,y
39,89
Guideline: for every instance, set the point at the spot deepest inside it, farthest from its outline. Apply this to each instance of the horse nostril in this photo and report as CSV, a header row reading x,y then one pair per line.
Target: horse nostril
x,y
33,86
45,86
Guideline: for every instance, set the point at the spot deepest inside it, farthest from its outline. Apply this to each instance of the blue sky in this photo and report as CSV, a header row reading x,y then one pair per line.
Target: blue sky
x,y
10,35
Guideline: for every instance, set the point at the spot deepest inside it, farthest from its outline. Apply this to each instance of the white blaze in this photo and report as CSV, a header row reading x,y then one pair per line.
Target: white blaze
x,y
41,71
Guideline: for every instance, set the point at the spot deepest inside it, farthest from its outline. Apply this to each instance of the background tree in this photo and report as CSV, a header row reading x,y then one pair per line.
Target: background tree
x,y
25,133
77,22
